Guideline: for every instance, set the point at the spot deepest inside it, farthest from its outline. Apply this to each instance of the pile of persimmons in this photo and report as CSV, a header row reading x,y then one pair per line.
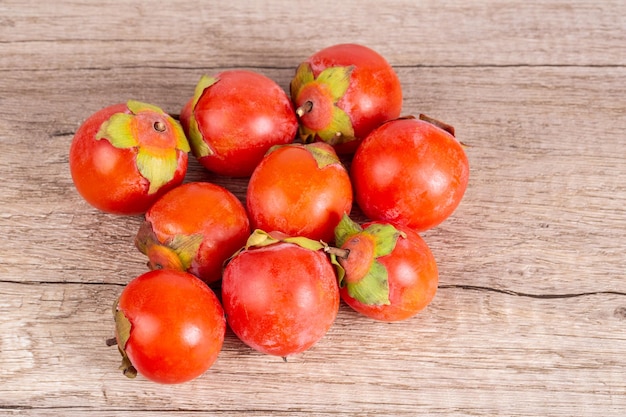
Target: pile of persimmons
x,y
275,266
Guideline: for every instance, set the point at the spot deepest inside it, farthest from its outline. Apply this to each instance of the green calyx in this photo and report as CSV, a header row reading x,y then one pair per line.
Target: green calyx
x,y
122,334
155,135
260,238
306,90
199,147
364,276
323,154
177,252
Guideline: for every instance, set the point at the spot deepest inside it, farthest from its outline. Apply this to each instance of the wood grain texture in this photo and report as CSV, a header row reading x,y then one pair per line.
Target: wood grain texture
x,y
530,316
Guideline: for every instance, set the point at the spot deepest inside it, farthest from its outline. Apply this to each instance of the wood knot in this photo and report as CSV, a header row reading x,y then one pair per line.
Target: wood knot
x,y
620,313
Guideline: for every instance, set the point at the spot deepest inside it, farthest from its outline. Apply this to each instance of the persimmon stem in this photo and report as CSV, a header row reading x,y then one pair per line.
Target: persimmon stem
x,y
305,108
338,252
159,126
442,125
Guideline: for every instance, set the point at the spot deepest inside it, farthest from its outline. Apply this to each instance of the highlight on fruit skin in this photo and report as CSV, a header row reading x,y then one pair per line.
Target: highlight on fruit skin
x,y
125,156
410,171
234,117
280,293
343,92
301,190
386,271
194,228
169,327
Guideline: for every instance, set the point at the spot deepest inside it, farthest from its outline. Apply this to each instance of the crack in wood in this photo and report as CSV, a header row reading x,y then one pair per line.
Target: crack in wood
x,y
441,287
529,295
61,133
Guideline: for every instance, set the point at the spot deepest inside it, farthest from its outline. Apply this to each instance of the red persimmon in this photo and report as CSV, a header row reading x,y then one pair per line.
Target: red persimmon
x,y
410,172
125,156
300,190
280,298
234,118
170,326
195,228
343,92
390,272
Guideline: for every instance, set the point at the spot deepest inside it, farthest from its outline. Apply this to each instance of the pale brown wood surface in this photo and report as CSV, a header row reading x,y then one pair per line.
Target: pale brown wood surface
x,y
530,316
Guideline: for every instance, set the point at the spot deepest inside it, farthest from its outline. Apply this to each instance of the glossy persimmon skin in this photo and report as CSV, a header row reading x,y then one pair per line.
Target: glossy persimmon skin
x,y
288,192
409,172
280,299
412,276
177,325
107,177
374,95
207,209
240,117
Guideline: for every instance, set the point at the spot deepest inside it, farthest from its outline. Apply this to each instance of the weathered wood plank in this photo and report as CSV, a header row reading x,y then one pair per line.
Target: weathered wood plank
x,y
545,200
529,318
474,351
114,34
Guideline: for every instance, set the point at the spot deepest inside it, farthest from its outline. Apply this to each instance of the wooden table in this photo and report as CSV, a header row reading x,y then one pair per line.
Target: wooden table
x,y
530,316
